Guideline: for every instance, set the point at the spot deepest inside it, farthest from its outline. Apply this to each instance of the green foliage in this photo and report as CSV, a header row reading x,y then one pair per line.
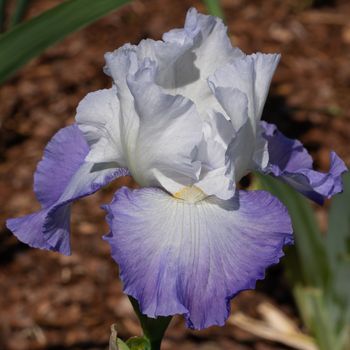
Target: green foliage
x,y
121,345
153,328
27,40
214,8
322,286
20,10
2,14
138,343
310,250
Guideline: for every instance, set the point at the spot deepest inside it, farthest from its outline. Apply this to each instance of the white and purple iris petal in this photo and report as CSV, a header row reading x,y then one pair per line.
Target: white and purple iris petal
x,y
61,177
184,257
183,118
290,162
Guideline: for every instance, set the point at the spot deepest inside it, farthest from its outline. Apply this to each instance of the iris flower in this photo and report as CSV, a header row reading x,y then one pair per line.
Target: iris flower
x,y
183,119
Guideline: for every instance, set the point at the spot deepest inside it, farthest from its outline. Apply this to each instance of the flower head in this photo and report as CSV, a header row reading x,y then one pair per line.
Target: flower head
x,y
183,119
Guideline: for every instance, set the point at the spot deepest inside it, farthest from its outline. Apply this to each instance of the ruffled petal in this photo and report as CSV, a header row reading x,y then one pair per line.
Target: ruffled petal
x,y
170,129
252,76
181,258
240,151
241,88
159,131
290,162
185,58
188,76
87,180
119,64
62,176
217,182
164,53
209,35
261,151
29,229
215,177
234,103
63,156
98,117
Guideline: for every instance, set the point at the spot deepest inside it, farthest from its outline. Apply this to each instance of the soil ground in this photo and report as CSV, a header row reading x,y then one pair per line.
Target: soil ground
x,y
48,301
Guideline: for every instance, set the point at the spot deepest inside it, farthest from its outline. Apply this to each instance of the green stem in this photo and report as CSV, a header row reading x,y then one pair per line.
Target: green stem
x,y
20,10
153,328
214,8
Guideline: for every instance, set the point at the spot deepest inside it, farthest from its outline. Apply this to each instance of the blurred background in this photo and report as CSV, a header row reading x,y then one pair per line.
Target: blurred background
x,y
48,301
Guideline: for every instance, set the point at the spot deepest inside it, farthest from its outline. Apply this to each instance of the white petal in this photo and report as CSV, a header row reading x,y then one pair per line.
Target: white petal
x,y
218,132
241,88
261,154
189,73
240,152
164,53
98,117
216,177
251,75
169,132
217,182
234,102
120,63
212,47
265,66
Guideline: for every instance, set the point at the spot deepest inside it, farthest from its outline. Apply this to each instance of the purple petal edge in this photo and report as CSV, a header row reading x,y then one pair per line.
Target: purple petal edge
x,y
62,176
63,156
290,162
192,260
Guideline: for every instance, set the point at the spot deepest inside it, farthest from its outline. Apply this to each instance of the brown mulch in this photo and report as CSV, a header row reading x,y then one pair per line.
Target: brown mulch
x,y
48,301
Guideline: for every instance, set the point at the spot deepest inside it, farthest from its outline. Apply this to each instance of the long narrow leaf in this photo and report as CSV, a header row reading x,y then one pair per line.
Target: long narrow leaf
x,y
314,309
20,10
2,14
338,244
214,8
309,244
29,39
338,238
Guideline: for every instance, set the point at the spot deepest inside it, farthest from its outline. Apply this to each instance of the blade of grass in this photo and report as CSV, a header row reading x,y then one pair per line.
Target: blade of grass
x,y
338,237
29,39
214,8
338,243
20,10
2,14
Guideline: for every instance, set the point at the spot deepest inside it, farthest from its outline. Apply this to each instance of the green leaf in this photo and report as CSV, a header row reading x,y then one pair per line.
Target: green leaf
x,y
314,307
338,238
214,8
121,345
20,10
338,244
317,293
31,38
2,14
309,245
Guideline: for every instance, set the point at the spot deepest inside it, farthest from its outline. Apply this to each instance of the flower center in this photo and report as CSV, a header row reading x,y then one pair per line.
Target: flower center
x,y
191,194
